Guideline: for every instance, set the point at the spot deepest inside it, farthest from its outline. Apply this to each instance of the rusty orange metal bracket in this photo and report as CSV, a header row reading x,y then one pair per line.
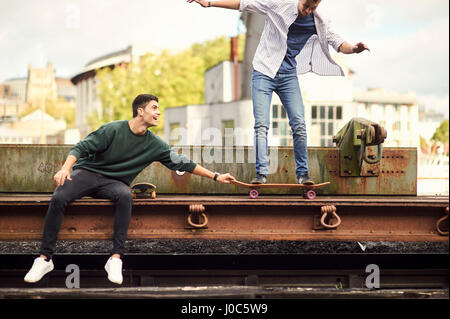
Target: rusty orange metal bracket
x,y
440,221
197,212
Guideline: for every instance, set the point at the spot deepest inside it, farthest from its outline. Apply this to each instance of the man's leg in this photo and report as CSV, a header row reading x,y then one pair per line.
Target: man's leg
x,y
120,194
262,90
291,97
82,184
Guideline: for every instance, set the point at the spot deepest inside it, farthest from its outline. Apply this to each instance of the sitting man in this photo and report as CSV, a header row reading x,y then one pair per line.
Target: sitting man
x,y
104,165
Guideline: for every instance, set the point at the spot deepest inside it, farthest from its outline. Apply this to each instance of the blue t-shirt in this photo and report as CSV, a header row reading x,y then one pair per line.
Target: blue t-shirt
x,y
299,33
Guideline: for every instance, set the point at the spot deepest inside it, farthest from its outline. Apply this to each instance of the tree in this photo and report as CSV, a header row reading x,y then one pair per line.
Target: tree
x,y
441,134
176,78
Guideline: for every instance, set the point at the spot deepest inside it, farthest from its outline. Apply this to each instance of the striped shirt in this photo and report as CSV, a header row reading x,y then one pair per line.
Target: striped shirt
x,y
280,15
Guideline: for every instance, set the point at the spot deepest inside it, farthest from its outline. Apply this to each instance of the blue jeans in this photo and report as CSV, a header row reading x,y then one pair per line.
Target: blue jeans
x,y
288,89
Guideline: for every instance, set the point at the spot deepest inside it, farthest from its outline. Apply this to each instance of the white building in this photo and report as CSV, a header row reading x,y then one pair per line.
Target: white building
x,y
397,112
330,102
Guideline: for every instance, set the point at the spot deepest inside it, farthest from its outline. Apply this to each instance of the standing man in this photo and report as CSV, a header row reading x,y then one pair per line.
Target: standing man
x,y
295,40
104,165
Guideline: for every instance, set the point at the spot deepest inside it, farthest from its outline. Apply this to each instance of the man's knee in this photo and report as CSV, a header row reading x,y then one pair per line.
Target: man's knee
x,y
60,198
261,129
124,195
299,129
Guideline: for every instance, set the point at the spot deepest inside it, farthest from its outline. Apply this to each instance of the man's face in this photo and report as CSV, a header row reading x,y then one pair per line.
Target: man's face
x,y
150,113
306,7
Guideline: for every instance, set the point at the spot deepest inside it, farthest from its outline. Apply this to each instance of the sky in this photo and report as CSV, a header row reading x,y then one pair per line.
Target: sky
x,y
409,39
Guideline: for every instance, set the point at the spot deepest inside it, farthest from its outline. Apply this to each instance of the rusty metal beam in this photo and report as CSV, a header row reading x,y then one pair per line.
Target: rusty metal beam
x,y
235,218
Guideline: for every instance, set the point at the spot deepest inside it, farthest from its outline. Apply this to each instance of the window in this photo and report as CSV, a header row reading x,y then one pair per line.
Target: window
x,y
339,113
328,115
322,112
314,112
330,112
275,129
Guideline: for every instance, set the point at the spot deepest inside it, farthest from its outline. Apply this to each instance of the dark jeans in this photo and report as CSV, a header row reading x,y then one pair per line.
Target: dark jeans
x,y
86,183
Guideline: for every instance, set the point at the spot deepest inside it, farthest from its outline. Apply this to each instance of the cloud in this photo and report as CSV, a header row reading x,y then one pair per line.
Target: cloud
x,y
408,38
409,49
72,33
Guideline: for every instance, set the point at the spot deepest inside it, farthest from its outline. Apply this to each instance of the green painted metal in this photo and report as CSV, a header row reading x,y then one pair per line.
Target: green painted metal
x,y
355,142
30,168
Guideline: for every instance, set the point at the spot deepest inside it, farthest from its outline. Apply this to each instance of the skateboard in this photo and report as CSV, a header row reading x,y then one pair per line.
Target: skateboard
x,y
143,190
308,193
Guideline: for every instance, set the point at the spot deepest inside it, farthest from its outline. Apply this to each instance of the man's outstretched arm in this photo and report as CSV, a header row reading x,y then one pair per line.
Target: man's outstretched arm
x,y
227,4
222,178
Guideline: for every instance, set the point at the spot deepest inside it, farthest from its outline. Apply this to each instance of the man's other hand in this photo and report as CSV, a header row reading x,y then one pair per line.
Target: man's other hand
x,y
360,47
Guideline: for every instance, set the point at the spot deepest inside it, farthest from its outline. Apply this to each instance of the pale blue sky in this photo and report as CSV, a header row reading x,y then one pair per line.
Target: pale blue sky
x,y
408,38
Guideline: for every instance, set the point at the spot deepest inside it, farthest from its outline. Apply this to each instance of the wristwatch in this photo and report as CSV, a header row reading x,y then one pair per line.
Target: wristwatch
x,y
209,4
215,176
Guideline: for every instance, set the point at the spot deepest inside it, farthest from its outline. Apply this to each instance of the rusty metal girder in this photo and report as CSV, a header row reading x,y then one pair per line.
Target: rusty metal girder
x,y
30,168
235,217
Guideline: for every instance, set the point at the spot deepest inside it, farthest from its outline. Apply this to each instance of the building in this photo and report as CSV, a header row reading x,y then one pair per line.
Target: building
x,y
66,90
429,121
34,91
14,90
41,85
397,112
12,97
223,120
34,128
85,83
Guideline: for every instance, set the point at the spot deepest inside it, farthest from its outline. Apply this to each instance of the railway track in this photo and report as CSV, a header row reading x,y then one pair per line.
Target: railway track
x,y
235,276
236,247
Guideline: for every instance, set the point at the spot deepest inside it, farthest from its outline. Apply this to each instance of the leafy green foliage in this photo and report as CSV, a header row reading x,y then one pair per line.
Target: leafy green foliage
x,y
176,78
441,134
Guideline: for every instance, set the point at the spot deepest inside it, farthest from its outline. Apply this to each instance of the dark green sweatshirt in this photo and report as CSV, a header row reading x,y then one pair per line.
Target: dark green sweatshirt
x,y
115,151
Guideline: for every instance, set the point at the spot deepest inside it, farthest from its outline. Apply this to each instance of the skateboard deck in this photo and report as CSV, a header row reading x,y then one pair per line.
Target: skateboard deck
x,y
143,190
309,192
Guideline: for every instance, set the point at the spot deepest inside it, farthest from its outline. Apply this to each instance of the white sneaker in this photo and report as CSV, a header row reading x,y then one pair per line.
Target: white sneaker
x,y
38,270
114,269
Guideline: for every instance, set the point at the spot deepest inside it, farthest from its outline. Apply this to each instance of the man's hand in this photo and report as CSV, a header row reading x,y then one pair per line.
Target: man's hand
x,y
61,176
203,3
225,178
360,47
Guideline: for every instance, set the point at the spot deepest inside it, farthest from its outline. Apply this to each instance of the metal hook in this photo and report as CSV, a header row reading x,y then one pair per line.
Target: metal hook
x,y
438,224
197,210
329,210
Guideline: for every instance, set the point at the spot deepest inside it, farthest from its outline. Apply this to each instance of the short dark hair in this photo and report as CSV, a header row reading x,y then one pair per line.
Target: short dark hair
x,y
141,101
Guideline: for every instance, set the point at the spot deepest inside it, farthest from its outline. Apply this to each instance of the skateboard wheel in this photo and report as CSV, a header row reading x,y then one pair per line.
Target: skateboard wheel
x,y
254,194
153,195
310,194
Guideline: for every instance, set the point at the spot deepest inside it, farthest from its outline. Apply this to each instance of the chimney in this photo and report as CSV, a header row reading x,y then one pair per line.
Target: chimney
x,y
234,56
